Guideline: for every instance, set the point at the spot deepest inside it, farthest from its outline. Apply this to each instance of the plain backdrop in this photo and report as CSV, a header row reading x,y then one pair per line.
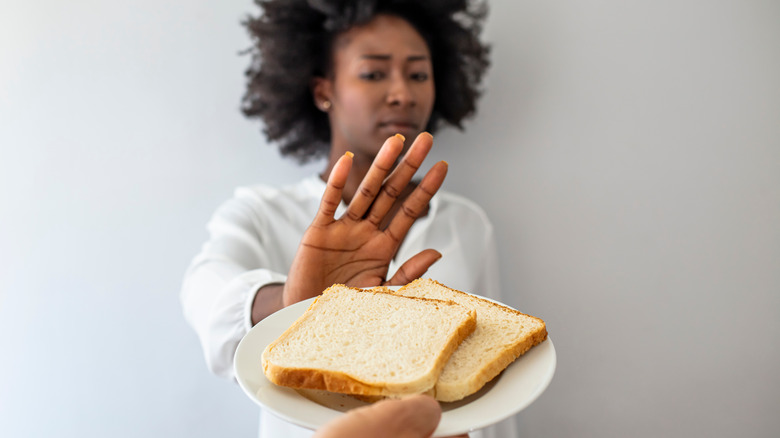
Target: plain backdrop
x,y
628,153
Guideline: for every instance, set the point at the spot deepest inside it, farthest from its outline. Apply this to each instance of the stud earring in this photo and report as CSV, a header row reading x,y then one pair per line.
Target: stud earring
x,y
326,105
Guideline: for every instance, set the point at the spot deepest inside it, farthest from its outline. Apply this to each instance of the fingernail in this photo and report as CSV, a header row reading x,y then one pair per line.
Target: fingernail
x,y
445,162
429,134
401,137
349,154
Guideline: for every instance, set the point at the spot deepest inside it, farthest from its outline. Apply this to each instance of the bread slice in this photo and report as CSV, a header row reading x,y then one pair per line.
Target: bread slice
x,y
502,335
360,342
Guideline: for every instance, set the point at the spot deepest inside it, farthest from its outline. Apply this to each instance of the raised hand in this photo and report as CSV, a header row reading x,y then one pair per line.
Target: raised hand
x,y
356,249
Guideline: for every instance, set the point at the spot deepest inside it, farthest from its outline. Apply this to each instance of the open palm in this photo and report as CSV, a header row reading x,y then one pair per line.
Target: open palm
x,y
356,249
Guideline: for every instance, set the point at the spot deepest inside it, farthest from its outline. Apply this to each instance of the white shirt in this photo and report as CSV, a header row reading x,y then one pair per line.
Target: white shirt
x,y
254,236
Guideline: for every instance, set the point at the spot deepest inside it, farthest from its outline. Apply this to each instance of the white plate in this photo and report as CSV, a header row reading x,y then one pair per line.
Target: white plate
x,y
510,392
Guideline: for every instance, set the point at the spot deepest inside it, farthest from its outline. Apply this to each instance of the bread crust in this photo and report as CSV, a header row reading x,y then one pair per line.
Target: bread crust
x,y
491,366
447,393
341,382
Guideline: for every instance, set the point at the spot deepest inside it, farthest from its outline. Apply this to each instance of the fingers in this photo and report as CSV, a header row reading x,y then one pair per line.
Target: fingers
x,y
416,204
400,177
331,198
372,182
412,417
414,268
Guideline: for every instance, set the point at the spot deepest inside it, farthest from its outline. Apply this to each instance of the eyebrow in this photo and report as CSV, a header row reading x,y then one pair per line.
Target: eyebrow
x,y
389,57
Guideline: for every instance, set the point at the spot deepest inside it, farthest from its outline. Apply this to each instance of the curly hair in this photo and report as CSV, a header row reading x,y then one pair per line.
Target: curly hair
x,y
292,45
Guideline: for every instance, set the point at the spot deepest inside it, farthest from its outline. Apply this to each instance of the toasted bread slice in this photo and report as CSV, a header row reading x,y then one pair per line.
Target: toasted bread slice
x,y
502,335
360,342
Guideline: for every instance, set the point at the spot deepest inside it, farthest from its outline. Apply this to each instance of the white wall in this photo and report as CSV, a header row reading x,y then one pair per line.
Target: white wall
x,y
628,153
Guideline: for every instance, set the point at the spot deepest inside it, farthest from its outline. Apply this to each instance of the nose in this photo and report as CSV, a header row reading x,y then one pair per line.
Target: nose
x,y
400,92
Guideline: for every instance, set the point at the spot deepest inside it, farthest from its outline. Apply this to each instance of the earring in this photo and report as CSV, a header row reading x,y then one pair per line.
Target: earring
x,y
326,105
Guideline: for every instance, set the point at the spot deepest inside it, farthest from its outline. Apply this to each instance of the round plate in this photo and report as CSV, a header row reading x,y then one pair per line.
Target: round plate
x,y
510,392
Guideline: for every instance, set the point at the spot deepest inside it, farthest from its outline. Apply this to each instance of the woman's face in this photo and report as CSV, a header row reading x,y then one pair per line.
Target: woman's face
x,y
382,84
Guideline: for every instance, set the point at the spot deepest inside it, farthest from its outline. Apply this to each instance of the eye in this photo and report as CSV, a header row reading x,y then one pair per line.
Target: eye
x,y
420,76
372,75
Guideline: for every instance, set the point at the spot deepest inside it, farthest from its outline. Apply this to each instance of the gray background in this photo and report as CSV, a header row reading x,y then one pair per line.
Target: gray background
x,y
627,151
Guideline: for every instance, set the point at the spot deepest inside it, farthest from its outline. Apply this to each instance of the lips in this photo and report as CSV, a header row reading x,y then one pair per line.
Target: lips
x,y
399,124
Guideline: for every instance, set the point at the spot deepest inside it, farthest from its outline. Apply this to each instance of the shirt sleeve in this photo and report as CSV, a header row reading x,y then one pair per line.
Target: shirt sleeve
x,y
220,285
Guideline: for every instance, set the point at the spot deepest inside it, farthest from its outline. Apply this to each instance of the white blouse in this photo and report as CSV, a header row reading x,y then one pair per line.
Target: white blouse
x,y
253,238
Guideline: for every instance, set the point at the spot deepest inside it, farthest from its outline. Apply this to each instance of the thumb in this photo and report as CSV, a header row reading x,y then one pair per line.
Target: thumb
x,y
413,417
415,267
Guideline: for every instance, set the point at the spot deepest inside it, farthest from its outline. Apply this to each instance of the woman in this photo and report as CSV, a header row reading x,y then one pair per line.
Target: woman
x,y
361,82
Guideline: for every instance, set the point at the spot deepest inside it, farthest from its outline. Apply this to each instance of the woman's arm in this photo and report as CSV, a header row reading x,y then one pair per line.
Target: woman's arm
x,y
225,292
220,285
267,301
